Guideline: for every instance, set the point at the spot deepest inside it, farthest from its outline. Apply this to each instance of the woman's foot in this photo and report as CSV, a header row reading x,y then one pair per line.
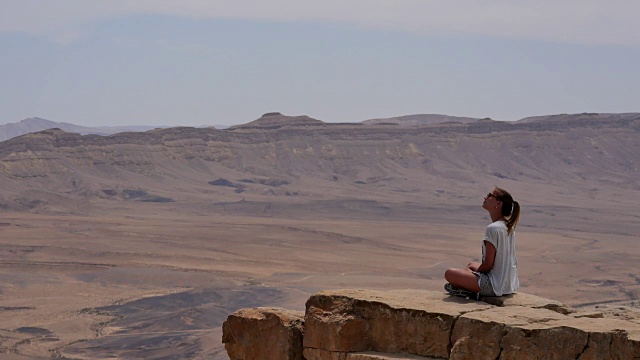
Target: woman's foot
x,y
456,291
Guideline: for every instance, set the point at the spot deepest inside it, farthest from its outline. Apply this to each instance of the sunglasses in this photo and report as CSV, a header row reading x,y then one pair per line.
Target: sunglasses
x,y
490,195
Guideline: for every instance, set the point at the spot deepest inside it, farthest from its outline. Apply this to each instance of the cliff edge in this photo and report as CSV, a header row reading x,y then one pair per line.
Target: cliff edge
x,y
419,324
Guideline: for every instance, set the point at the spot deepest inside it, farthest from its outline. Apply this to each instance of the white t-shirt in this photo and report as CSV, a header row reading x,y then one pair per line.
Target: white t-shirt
x,y
504,274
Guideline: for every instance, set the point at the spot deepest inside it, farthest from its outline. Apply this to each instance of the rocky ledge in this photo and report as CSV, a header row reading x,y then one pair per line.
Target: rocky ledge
x,y
416,324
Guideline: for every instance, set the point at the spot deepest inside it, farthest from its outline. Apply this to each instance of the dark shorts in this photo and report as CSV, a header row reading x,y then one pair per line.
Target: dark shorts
x,y
485,284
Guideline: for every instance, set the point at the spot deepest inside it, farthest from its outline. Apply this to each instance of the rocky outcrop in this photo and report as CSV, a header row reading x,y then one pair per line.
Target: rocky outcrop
x,y
264,333
415,324
275,120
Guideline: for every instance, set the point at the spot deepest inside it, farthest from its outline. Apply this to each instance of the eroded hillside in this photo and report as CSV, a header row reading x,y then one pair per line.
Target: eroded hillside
x,y
298,157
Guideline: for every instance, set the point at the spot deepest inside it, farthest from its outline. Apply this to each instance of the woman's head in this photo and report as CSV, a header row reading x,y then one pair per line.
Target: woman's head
x,y
510,208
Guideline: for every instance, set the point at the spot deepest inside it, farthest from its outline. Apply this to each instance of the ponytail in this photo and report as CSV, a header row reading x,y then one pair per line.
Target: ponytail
x,y
510,209
512,221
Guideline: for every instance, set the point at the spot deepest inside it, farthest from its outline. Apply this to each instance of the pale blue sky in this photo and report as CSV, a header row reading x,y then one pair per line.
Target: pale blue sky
x,y
212,62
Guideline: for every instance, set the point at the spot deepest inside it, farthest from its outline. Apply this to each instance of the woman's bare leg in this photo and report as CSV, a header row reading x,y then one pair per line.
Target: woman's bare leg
x,y
462,278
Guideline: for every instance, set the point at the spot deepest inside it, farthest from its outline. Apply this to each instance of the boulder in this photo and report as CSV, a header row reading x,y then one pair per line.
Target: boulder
x,y
264,334
589,338
478,335
407,321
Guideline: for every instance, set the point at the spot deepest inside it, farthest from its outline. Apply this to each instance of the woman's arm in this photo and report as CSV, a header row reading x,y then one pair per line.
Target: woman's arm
x,y
489,258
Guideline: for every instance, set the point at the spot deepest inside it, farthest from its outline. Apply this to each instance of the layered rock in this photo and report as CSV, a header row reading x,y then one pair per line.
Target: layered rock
x,y
415,324
398,322
371,160
263,333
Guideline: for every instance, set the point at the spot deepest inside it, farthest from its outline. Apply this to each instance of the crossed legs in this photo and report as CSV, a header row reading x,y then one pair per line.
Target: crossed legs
x,y
463,278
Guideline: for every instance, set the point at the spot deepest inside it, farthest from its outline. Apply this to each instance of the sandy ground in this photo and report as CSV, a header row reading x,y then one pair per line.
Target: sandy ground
x,y
160,283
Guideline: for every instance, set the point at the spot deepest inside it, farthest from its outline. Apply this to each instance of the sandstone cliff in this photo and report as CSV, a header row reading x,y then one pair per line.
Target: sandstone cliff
x,y
414,324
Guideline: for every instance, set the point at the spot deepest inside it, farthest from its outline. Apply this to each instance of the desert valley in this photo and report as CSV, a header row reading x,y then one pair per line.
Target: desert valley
x,y
139,244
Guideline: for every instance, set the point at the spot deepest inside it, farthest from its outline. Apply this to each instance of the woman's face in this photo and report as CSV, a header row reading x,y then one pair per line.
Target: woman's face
x,y
491,201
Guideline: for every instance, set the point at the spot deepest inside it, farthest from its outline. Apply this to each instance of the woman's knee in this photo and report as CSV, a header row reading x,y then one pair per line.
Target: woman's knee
x,y
449,274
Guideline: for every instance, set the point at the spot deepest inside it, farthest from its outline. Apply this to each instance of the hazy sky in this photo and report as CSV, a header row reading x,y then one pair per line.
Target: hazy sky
x,y
205,62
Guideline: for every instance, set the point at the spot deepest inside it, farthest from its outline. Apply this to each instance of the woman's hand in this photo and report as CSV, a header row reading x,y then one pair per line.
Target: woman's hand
x,y
473,266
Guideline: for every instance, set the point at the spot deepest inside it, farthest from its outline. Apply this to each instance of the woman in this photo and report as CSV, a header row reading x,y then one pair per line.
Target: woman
x,y
497,275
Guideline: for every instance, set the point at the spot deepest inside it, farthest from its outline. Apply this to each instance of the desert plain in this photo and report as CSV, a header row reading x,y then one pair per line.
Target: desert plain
x,y
92,272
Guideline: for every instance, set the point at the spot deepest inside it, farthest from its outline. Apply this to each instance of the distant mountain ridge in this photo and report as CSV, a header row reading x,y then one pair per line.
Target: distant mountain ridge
x,y
297,158
419,119
579,117
276,120
29,125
